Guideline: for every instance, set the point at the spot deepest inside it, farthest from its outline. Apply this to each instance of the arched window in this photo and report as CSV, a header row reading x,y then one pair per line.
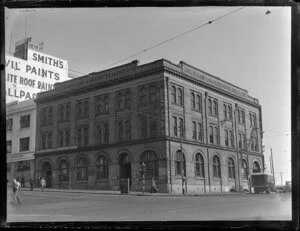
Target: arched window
x,y
150,159
193,101
216,167
143,97
152,94
199,165
179,163
239,115
225,111
254,121
180,97
63,171
256,167
209,106
199,103
173,95
231,169
127,99
82,170
250,118
101,167
244,170
215,107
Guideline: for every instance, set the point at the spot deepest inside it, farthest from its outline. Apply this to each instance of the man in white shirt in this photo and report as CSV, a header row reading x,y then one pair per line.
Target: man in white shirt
x,y
16,189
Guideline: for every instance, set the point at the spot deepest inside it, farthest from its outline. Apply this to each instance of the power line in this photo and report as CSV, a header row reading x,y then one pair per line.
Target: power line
x,y
172,38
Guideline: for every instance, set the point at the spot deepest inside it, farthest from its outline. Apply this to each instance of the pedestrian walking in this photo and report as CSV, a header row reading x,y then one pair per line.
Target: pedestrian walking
x,y
154,189
16,189
31,184
43,184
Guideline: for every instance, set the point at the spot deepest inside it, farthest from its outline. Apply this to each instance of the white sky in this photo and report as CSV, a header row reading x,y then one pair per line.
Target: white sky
x,y
247,48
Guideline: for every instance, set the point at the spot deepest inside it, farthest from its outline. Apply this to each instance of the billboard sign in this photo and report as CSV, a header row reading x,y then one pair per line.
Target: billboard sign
x,y
25,78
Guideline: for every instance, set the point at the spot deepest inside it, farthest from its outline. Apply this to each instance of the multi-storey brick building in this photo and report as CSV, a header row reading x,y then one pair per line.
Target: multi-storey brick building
x,y
195,132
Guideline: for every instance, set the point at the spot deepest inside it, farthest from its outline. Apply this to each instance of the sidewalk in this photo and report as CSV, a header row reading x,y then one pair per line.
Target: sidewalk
x,y
110,192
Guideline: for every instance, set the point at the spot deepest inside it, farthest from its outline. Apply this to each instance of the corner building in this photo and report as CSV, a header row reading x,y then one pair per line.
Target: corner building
x,y
195,132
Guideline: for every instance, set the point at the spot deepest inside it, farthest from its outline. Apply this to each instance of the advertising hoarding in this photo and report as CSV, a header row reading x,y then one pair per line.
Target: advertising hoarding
x,y
25,78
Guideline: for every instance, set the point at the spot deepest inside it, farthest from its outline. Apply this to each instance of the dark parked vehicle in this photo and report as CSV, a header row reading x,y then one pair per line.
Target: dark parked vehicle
x,y
262,182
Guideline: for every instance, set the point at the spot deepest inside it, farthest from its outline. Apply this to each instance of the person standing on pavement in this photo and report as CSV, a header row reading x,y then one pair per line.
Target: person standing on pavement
x,y
43,184
16,189
31,184
154,189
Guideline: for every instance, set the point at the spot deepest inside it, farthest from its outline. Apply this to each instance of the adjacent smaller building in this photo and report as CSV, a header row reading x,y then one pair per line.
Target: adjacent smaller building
x,y
20,139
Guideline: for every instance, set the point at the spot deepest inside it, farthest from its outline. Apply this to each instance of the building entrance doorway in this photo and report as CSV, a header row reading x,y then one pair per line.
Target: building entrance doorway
x,y
47,174
125,167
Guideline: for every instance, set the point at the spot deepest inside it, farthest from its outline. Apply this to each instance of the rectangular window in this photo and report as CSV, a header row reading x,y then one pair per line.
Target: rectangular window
x,y
47,116
99,133
61,138
244,142
181,127
86,136
106,133
67,137
64,138
211,134
50,140
25,121
200,132
98,104
82,108
68,111
175,126
9,125
120,130
82,136
127,129
24,144
153,127
144,126
240,140
216,135
194,131
8,146
64,112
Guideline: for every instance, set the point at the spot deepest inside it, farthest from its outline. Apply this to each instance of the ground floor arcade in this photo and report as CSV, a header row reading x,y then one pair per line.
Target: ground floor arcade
x,y
192,169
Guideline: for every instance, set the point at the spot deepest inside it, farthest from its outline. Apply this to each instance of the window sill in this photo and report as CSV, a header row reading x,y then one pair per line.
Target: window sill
x,y
81,181
199,178
63,121
101,113
195,110
101,180
217,179
231,179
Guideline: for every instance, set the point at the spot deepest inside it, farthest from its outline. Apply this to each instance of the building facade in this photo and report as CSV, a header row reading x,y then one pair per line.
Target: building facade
x,y
20,135
194,132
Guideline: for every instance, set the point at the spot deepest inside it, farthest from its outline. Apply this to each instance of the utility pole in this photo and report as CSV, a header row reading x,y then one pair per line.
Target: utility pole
x,y
182,166
273,167
281,178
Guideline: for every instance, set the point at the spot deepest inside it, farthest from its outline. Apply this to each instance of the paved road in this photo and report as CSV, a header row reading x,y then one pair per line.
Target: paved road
x,y
58,206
